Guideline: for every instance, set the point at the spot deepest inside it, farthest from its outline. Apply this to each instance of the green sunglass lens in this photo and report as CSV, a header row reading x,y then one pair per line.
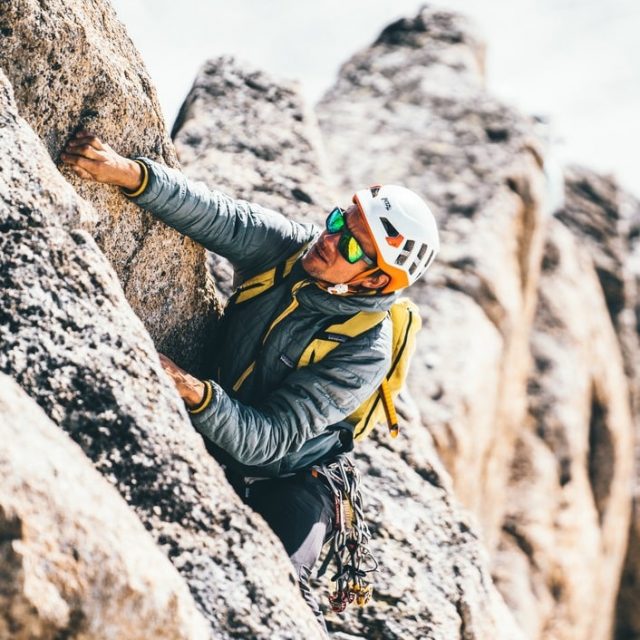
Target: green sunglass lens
x,y
335,221
350,249
348,246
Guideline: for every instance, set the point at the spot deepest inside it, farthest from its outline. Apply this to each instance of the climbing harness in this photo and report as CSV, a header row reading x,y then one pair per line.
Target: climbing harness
x,y
350,537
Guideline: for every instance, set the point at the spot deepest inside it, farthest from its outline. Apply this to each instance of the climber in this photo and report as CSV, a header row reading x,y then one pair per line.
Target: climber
x,y
265,419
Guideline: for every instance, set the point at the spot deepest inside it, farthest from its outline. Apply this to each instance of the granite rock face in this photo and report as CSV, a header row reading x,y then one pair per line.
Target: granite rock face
x,y
605,221
525,378
434,578
603,218
565,529
68,540
414,104
68,337
540,452
72,66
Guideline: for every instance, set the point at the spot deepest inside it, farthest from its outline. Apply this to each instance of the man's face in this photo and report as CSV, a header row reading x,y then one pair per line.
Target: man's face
x,y
325,262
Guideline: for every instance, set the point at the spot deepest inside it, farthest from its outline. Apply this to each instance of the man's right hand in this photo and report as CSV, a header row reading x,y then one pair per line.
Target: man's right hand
x,y
92,159
191,389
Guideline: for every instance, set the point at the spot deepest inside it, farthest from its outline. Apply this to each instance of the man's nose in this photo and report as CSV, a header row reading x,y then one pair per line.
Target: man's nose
x,y
331,242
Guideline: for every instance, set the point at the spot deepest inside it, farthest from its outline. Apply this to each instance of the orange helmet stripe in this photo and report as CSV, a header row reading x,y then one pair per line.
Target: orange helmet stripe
x,y
398,279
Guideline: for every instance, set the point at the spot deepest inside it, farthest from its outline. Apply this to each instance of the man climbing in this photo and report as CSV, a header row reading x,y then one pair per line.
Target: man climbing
x,y
273,409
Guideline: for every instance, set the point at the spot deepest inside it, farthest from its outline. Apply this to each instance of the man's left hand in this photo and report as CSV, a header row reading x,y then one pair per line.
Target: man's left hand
x,y
191,389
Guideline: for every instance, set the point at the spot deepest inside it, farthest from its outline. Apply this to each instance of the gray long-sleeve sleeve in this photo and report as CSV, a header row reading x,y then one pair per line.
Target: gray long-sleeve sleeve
x,y
309,400
251,237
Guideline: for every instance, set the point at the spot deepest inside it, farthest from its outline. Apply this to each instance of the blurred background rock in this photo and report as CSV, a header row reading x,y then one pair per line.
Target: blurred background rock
x,y
575,62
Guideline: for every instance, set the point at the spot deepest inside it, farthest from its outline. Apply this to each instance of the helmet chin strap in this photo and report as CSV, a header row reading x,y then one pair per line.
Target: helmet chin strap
x,y
345,288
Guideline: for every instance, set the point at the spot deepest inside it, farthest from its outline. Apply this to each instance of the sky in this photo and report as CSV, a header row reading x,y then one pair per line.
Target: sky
x,y
576,62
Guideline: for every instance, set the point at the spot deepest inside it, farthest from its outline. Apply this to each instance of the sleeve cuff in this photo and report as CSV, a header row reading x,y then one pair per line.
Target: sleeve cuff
x,y
206,400
145,181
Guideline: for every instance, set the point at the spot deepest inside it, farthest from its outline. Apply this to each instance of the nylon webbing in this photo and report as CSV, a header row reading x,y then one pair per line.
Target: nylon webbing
x,y
266,280
394,365
329,339
287,311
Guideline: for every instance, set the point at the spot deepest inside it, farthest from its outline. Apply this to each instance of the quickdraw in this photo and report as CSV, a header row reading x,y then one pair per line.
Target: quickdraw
x,y
350,539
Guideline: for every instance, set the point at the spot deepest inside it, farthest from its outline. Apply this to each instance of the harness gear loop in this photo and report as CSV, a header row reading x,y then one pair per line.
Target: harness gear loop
x,y
350,537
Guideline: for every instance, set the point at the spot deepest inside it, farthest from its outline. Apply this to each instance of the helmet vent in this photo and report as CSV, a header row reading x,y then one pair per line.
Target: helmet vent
x,y
432,255
375,189
405,252
421,263
390,230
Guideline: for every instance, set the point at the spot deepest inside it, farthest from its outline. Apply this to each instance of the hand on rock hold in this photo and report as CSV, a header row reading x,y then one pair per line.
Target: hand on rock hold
x,y
191,389
92,159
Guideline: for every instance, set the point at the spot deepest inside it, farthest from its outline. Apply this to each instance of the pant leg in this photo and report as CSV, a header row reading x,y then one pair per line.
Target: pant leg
x,y
300,512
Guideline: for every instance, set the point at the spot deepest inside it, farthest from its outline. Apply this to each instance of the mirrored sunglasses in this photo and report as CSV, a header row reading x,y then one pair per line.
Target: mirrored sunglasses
x,y
348,246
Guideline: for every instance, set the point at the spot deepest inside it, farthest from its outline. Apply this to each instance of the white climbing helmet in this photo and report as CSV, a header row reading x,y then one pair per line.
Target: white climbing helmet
x,y
404,231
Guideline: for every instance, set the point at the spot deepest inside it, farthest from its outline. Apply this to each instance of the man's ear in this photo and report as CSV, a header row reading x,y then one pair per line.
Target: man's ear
x,y
377,280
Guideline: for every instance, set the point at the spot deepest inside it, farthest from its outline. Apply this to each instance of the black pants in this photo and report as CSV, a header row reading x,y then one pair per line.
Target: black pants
x,y
300,512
